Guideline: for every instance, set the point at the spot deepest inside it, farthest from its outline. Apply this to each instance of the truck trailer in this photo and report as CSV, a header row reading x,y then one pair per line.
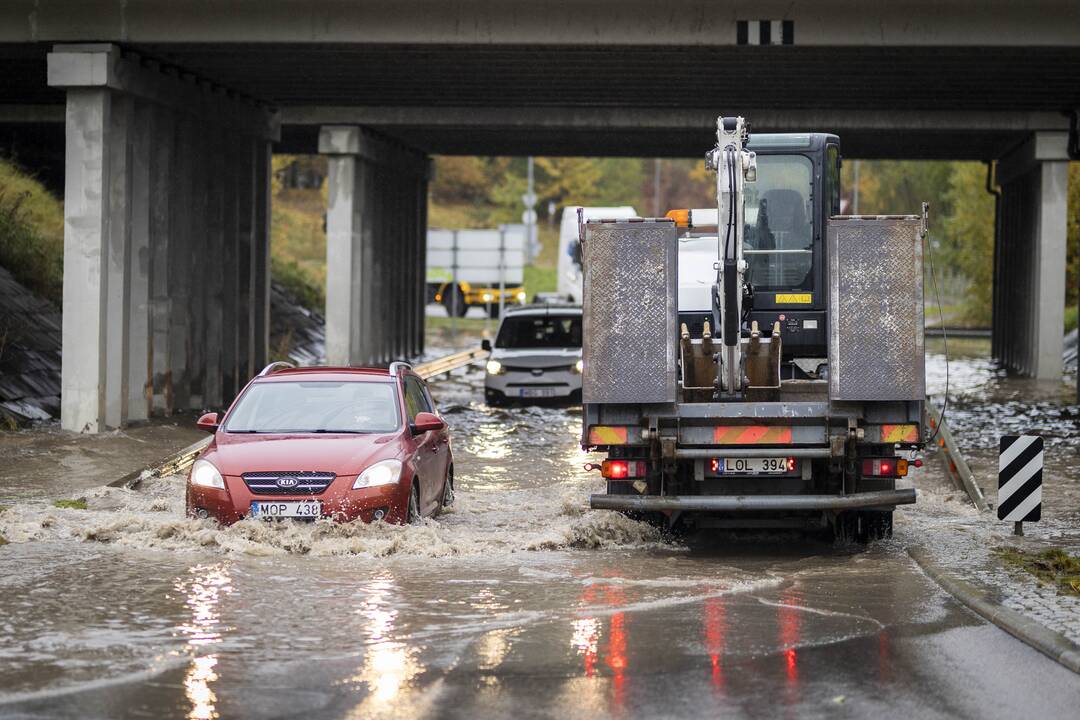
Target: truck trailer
x,y
758,364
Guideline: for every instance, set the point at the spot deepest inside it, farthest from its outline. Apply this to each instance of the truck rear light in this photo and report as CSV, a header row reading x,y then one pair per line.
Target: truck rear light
x,y
622,469
884,467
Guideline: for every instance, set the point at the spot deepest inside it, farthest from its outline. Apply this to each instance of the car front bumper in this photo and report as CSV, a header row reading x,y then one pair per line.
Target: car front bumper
x,y
339,501
528,386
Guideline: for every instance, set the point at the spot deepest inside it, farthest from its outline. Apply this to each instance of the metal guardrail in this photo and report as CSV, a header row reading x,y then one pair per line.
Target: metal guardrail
x,y
443,365
180,461
954,460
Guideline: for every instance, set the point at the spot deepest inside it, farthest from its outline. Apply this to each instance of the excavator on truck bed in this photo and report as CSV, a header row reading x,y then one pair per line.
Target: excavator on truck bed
x,y
757,364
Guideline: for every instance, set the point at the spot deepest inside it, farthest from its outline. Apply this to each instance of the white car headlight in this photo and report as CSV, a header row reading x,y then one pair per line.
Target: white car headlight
x,y
494,367
521,296
386,472
579,366
204,474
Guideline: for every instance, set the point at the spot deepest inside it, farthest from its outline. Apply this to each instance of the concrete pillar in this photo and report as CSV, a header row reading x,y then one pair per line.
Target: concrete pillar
x,y
140,370
1029,289
373,242
86,215
158,204
260,315
343,250
162,166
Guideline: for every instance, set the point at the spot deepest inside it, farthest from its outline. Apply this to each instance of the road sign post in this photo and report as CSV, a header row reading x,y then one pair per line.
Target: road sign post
x,y
1020,465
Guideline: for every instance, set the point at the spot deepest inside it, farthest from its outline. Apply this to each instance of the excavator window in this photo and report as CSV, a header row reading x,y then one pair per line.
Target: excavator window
x,y
779,217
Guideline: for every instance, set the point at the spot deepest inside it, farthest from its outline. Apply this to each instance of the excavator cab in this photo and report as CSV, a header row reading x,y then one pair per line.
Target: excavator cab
x,y
786,212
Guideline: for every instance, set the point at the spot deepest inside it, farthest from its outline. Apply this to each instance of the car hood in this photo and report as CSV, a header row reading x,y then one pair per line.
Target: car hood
x,y
537,358
340,454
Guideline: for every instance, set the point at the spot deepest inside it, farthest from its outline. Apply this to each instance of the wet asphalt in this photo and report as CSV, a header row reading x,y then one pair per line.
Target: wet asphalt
x,y
519,603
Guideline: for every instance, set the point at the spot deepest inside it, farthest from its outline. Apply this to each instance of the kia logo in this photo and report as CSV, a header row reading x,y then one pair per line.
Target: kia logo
x,y
287,482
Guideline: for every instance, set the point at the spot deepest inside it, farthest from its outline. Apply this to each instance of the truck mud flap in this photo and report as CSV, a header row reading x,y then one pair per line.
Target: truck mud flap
x,y
752,503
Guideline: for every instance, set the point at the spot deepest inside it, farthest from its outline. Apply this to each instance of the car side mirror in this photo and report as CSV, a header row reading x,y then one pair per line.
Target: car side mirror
x,y
426,422
208,422
485,344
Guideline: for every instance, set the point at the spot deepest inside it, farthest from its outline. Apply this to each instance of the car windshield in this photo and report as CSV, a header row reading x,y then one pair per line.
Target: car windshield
x,y
540,331
779,235
315,407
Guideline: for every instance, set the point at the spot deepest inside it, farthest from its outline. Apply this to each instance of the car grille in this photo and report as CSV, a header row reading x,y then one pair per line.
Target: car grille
x,y
308,482
529,370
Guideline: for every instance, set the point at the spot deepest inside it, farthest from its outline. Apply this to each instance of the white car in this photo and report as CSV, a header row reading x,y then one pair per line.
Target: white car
x,y
536,355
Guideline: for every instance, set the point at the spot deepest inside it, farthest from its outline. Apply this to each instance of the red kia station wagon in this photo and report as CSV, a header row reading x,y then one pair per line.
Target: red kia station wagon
x,y
336,442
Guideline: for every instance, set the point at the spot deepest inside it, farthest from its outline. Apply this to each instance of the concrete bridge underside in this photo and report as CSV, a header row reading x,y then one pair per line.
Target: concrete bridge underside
x,y
381,86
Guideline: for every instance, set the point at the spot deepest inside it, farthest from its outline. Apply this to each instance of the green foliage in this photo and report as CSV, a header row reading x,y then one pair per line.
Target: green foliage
x,y
298,283
540,279
76,504
967,239
1053,566
31,233
3,541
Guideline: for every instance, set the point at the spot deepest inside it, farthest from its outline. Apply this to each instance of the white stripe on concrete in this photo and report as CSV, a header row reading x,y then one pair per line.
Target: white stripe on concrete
x,y
1030,503
1013,451
753,32
1017,481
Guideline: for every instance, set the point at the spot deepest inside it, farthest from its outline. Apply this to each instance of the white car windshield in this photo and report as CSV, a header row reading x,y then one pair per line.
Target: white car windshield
x,y
316,407
540,331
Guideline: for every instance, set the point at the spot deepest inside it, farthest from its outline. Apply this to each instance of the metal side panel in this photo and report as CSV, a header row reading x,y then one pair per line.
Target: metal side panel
x,y
876,309
630,313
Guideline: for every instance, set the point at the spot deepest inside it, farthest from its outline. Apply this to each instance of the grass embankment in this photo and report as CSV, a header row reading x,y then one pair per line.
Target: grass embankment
x,y
1054,566
298,245
31,233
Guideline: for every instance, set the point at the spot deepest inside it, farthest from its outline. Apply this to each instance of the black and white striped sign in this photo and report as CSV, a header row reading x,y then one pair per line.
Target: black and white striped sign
x,y
1020,478
765,32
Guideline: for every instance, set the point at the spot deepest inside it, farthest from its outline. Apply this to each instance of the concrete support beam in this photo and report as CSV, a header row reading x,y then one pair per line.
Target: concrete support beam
x,y
374,244
166,239
1029,290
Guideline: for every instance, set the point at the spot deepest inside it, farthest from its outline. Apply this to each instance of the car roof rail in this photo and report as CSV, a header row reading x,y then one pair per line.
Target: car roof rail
x,y
274,367
396,366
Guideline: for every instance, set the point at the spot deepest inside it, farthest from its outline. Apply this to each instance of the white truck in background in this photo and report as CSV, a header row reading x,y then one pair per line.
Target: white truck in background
x,y
569,268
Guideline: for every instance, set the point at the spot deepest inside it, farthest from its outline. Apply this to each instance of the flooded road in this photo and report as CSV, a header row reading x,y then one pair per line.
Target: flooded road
x,y
519,602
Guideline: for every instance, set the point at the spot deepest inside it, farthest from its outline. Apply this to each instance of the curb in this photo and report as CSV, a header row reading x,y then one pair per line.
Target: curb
x,y
1054,645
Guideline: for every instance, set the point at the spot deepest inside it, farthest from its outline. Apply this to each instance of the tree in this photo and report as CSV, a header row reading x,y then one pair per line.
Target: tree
x,y
967,238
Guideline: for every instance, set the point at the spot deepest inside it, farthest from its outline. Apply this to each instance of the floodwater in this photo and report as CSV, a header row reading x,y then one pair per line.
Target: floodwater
x,y
519,602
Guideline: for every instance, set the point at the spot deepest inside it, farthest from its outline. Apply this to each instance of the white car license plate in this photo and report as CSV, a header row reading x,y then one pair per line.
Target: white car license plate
x,y
754,466
541,392
286,509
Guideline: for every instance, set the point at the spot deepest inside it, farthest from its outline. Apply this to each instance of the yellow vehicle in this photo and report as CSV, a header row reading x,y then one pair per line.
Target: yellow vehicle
x,y
472,295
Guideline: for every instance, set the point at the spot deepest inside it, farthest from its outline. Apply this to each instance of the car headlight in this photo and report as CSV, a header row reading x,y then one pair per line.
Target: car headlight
x,y
488,297
204,474
521,296
386,472
494,367
579,366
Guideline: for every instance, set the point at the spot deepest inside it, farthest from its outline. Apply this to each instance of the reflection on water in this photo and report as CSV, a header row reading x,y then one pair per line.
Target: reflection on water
x,y
389,665
203,592
585,641
789,620
715,629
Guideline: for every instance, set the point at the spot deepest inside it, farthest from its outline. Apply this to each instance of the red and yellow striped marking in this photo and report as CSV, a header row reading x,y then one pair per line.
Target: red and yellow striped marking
x,y
751,435
607,435
899,433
